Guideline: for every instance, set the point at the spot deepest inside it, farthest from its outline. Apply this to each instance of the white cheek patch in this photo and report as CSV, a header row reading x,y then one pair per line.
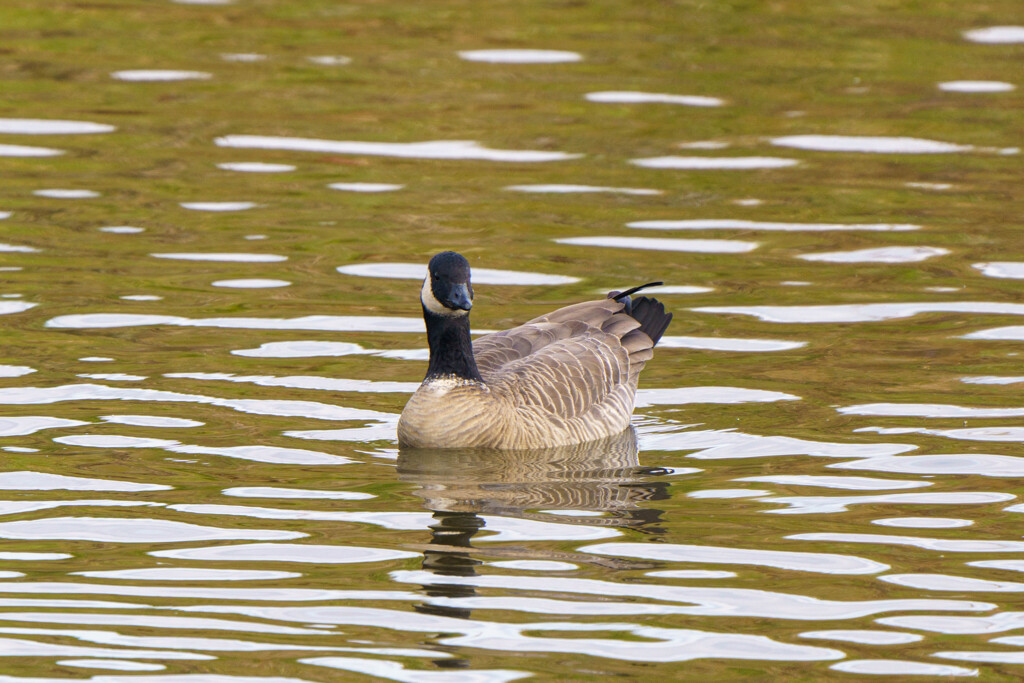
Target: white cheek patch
x,y
431,303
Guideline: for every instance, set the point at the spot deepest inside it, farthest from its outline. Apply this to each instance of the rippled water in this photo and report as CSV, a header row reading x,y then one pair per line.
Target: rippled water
x,y
212,221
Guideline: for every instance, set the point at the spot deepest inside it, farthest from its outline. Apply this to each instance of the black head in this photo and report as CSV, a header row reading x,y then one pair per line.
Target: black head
x,y
446,289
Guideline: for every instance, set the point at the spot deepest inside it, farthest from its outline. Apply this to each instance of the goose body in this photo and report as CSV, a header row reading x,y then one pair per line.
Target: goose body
x,y
566,377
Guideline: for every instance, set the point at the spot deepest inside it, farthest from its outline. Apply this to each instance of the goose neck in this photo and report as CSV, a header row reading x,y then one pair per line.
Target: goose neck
x,y
451,349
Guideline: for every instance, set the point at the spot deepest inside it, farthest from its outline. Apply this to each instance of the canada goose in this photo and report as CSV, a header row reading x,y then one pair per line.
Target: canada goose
x,y
566,377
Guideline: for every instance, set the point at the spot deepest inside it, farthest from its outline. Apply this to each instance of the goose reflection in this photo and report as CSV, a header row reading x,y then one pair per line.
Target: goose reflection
x,y
602,479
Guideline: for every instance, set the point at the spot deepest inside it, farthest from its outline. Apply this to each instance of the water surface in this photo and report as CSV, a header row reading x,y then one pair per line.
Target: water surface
x,y
212,223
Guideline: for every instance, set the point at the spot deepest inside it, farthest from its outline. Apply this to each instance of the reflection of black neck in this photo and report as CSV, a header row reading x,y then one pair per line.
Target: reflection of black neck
x,y
451,530
451,351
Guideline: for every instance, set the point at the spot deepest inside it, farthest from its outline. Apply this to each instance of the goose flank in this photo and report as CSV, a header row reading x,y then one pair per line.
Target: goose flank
x,y
566,377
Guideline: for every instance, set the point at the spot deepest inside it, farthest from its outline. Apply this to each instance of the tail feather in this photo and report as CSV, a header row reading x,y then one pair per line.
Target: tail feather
x,y
647,311
651,315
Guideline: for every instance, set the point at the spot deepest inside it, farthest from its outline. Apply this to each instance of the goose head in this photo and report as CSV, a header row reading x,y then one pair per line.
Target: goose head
x,y
446,290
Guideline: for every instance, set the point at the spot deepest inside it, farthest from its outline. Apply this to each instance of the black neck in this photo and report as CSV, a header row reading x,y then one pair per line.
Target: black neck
x,y
451,351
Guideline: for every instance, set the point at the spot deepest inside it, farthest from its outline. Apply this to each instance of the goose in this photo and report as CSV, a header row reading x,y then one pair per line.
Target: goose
x,y
564,378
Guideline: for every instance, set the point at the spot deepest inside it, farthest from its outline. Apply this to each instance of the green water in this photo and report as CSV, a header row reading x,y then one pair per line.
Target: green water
x,y
781,69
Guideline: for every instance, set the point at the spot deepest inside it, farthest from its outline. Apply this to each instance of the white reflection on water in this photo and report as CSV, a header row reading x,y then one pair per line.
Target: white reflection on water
x,y
52,127
868,144
18,507
209,644
943,582
819,563
286,552
251,283
684,395
325,323
365,187
437,149
878,255
1010,333
923,522
728,493
99,392
58,193
245,57
855,313
130,530
158,75
934,410
267,454
42,481
112,664
713,444
112,376
1003,269
238,258
535,565
996,657
306,494
271,594
189,574
929,186
218,206
304,382
691,574
996,34
945,545
737,224
806,505
7,307
21,426
864,636
714,163
570,189
481,276
396,671
680,289
302,349
255,167
505,528
658,244
122,229
704,144
728,344
996,623
149,621
976,86
18,249
521,56
27,151
967,433
848,483
982,464
897,667
651,644
634,97
1008,565
151,421
698,600
16,647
